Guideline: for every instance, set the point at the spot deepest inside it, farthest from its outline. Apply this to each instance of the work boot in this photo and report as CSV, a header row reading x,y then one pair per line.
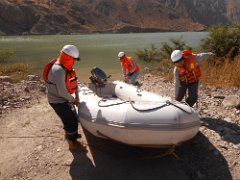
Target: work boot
x,y
79,136
76,146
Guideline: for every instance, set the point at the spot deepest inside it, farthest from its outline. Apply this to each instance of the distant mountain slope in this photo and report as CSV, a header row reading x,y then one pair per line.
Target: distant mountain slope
x,y
88,16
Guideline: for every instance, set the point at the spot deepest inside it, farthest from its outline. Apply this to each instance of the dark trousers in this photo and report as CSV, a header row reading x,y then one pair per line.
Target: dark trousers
x,y
191,89
69,119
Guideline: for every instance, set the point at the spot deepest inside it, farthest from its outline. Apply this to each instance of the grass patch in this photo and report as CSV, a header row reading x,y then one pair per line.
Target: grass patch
x,y
222,74
17,71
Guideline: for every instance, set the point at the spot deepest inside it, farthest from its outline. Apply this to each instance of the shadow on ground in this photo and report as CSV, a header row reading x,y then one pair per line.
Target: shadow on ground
x,y
228,131
198,159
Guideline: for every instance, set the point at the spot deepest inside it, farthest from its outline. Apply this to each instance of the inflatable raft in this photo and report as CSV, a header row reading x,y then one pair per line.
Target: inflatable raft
x,y
130,115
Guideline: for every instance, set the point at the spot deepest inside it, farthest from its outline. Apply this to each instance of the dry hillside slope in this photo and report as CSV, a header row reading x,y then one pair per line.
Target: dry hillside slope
x,y
88,16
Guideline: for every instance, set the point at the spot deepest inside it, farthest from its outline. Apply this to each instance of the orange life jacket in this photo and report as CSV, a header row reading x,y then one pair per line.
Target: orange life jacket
x,y
71,81
47,68
190,71
126,63
70,78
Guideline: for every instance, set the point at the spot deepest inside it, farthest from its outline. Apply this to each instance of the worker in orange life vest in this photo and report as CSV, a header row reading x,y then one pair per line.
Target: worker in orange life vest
x,y
187,73
61,81
130,69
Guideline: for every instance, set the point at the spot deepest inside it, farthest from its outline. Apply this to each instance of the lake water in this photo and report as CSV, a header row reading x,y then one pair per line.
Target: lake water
x,y
95,50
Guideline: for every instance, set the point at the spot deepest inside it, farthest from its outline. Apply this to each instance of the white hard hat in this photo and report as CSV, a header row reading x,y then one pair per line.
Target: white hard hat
x,y
121,54
176,56
71,50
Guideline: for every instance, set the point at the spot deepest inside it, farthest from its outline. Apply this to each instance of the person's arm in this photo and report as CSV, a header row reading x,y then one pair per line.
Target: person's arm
x,y
124,72
59,80
76,94
176,76
77,99
176,80
202,56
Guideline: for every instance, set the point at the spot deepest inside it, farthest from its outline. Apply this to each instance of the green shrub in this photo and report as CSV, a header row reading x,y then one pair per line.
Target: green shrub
x,y
159,59
168,47
148,55
223,40
5,55
163,53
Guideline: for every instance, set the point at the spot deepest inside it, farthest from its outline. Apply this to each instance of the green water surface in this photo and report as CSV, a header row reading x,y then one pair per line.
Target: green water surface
x,y
95,50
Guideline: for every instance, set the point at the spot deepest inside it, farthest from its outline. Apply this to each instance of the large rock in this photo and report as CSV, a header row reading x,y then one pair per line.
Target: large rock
x,y
33,77
231,101
5,79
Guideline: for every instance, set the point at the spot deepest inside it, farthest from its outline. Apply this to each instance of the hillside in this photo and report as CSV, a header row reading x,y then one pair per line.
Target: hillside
x,y
88,16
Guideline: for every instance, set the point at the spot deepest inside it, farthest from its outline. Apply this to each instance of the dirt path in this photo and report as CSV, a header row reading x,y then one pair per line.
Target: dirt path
x,y
32,147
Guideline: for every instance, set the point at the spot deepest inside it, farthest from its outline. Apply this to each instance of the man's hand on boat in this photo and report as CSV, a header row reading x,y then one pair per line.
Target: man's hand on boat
x,y
130,74
76,102
125,78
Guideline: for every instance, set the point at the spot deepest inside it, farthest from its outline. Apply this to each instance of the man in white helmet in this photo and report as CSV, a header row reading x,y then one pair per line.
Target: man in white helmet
x,y
187,73
130,69
61,81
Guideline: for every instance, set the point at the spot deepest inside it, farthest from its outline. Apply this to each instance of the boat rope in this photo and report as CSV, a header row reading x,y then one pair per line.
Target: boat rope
x,y
159,107
170,151
114,104
167,103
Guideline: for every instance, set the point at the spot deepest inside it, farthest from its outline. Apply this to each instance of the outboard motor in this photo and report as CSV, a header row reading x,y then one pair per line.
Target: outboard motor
x,y
98,78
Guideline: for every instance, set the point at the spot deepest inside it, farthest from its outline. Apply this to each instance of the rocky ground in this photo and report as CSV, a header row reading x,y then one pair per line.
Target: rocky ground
x,y
32,144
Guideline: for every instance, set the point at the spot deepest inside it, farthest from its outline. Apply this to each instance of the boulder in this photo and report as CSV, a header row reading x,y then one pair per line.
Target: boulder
x,y
231,101
5,79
